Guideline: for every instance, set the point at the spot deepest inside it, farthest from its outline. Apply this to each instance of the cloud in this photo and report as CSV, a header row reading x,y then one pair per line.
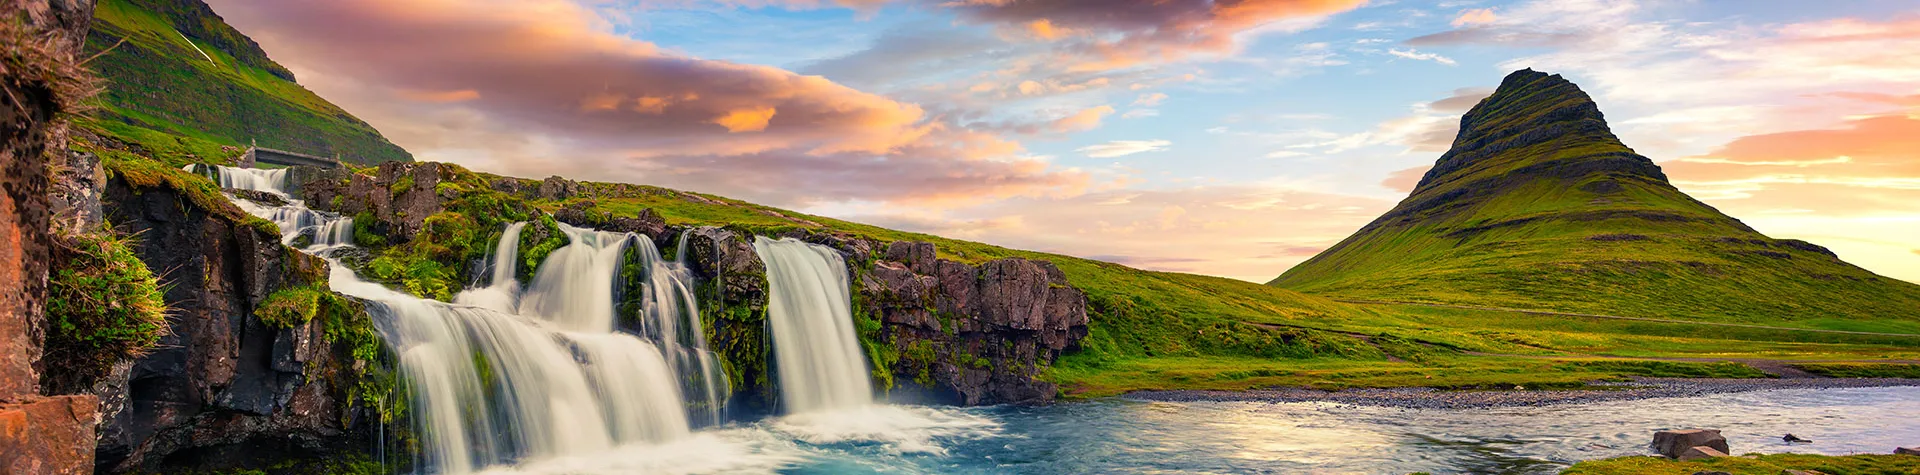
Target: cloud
x,y
1405,180
1474,17
1084,120
538,87
1416,55
1869,152
1233,231
1123,33
1150,100
1121,148
1461,101
1138,113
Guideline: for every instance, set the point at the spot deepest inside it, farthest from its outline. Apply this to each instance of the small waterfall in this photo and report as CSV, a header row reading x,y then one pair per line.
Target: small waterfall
x,y
820,364
502,292
257,179
326,230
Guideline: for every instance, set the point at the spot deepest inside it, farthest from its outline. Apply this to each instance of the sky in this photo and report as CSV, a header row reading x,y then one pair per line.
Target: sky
x,y
1227,137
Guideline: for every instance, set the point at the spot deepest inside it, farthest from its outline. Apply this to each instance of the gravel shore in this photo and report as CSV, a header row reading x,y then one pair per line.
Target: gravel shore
x,y
1429,398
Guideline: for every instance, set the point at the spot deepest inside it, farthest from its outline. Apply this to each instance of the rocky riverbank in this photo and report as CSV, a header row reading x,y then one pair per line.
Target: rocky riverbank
x,y
1432,398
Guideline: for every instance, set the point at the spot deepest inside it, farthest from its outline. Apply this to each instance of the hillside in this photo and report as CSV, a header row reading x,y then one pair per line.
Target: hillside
x,y
1539,206
174,66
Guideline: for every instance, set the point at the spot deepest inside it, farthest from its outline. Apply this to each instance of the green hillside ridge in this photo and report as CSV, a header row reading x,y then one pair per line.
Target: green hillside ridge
x,y
1539,206
174,66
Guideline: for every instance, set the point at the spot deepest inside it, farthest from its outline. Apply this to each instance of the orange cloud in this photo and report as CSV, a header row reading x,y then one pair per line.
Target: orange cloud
x,y
1084,120
1475,17
440,96
550,66
1124,33
1228,231
1404,181
746,120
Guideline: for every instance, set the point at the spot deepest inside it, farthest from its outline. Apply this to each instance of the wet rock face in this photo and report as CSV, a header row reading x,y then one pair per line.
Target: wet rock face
x,y
400,196
991,328
221,377
1676,443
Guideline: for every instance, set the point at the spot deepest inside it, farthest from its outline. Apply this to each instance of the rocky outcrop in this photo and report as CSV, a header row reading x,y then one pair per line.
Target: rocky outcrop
x,y
1675,443
39,81
977,334
398,196
733,302
222,378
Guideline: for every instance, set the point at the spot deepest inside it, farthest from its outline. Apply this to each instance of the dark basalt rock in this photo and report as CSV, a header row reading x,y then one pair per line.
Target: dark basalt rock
x,y
991,327
221,378
262,197
399,196
556,188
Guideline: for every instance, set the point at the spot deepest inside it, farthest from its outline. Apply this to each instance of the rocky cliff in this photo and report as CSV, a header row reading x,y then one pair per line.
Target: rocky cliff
x,y
40,82
226,387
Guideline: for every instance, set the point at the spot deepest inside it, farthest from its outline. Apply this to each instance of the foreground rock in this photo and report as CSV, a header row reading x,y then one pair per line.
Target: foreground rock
x,y
1700,453
38,83
224,389
1680,443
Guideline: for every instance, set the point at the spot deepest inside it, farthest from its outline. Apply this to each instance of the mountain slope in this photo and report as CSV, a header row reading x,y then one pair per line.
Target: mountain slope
x,y
1539,205
182,70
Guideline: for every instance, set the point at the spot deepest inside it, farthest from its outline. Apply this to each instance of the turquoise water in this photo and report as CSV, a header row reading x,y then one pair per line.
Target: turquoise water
x,y
1126,436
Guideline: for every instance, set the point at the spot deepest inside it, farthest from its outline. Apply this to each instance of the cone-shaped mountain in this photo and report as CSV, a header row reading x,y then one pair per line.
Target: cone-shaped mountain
x,y
1538,205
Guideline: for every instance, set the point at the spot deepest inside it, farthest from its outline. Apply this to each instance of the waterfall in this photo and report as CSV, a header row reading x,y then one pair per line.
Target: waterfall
x,y
820,364
326,230
510,374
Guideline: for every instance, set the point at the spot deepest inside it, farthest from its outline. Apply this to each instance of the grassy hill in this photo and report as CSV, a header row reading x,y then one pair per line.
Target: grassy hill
x,y
1539,206
173,66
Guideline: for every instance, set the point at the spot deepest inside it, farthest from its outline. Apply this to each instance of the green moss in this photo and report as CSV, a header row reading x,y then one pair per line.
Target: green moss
x,y
103,306
541,237
293,306
401,185
364,233
145,173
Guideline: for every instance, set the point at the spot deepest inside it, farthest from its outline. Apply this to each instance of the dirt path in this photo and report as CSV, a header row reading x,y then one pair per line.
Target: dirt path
x,y
1617,317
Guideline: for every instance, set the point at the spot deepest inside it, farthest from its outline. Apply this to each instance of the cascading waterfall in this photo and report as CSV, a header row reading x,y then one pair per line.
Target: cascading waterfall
x,y
326,230
509,375
575,363
820,364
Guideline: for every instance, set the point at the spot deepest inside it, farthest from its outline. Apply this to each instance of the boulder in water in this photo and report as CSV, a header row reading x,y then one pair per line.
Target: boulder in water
x,y
1701,453
1674,443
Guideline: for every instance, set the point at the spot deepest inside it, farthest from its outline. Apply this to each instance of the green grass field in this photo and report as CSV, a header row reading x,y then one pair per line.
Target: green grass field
x,y
1774,464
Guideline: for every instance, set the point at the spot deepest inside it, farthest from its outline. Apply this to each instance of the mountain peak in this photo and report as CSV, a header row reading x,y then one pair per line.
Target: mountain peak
x,y
1539,205
1536,122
